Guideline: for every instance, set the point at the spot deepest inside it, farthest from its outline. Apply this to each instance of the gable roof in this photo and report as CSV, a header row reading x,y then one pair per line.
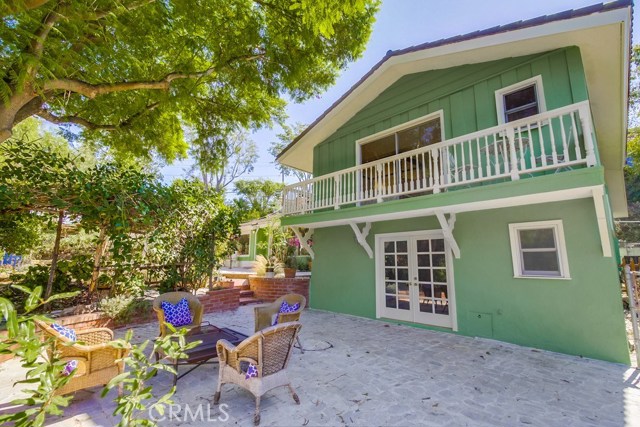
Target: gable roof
x,y
601,32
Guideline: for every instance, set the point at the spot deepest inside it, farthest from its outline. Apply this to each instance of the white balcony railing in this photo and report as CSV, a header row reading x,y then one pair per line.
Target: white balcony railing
x,y
556,140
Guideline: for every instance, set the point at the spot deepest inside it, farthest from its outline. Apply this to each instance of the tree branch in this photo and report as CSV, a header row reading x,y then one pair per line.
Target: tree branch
x,y
92,90
80,121
15,6
37,43
128,8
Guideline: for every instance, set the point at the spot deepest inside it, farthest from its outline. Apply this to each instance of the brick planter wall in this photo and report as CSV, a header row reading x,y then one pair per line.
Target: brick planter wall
x,y
270,289
220,300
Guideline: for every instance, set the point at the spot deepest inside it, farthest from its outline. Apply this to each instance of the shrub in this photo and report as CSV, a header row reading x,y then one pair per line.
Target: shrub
x,y
121,308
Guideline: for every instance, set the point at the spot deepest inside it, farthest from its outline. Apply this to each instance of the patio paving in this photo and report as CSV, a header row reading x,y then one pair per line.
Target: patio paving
x,y
361,372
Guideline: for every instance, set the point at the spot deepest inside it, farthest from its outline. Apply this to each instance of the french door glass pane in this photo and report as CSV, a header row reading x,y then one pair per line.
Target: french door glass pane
x,y
423,246
437,245
438,260
424,261
440,275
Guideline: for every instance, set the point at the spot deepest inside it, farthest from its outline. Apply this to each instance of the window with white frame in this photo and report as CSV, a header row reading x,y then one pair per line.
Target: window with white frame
x,y
243,244
520,100
538,249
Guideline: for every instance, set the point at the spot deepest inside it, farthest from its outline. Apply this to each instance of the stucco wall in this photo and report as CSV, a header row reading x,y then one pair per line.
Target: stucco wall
x,y
581,316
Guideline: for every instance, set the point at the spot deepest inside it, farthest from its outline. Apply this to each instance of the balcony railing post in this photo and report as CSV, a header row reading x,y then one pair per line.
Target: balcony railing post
x,y
585,121
336,192
435,171
379,183
511,142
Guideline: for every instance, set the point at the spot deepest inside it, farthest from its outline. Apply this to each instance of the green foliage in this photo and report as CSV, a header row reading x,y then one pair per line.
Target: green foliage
x,y
137,401
121,308
223,159
21,233
257,198
23,342
303,263
284,139
194,233
130,72
67,280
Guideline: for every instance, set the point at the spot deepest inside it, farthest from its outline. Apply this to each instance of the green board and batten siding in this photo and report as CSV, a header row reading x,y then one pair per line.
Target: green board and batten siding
x,y
466,94
581,316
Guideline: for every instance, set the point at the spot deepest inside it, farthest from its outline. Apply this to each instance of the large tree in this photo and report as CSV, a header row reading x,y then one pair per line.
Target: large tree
x,y
257,198
131,72
289,133
222,160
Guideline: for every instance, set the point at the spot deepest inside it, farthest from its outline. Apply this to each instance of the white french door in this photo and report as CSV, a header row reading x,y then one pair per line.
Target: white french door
x,y
414,280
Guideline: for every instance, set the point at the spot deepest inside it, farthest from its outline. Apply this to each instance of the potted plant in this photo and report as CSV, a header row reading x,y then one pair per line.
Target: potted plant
x,y
290,266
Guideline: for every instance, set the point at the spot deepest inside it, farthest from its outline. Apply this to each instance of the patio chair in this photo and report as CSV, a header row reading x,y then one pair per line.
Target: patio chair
x,y
259,363
265,314
97,360
195,307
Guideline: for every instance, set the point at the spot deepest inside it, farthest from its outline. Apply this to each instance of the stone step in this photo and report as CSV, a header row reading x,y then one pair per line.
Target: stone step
x,y
250,300
246,293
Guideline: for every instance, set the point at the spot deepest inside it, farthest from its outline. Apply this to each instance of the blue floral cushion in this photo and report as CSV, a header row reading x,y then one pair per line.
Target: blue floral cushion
x,y
286,308
178,314
71,366
252,371
64,331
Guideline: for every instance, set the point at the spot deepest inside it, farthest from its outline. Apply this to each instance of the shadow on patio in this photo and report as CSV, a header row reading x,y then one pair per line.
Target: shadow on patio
x,y
366,372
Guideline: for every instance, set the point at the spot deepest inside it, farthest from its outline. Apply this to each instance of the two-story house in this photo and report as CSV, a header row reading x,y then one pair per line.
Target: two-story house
x,y
470,185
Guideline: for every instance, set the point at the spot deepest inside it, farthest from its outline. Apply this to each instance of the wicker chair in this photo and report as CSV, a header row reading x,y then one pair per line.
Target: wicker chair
x,y
195,306
269,350
264,314
97,360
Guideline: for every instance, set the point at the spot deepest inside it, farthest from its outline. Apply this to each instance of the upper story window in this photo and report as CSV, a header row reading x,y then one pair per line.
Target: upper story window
x,y
523,99
400,139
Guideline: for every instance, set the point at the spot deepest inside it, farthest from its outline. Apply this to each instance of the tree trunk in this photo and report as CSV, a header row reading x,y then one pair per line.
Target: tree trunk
x,y
103,240
54,256
213,259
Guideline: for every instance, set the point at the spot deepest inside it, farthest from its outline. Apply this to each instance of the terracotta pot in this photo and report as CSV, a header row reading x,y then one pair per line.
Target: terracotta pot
x,y
290,272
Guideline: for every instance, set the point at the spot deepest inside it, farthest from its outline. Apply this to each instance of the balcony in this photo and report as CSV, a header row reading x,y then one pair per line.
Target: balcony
x,y
551,142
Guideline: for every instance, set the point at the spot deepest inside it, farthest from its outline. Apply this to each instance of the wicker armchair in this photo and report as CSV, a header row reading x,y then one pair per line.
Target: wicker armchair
x,y
265,314
97,360
195,306
269,351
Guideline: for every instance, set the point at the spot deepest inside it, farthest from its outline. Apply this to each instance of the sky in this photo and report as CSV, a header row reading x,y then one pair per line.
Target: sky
x,y
400,24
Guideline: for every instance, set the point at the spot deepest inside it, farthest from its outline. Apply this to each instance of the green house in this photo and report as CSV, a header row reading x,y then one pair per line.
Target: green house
x,y
469,185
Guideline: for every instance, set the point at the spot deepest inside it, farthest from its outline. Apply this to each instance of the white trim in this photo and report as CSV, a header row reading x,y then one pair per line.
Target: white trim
x,y
248,244
361,237
536,81
379,274
447,231
601,217
560,249
303,239
603,40
507,202
404,126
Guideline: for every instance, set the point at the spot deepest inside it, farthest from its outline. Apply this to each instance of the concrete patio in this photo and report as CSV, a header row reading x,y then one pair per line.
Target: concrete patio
x,y
363,372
